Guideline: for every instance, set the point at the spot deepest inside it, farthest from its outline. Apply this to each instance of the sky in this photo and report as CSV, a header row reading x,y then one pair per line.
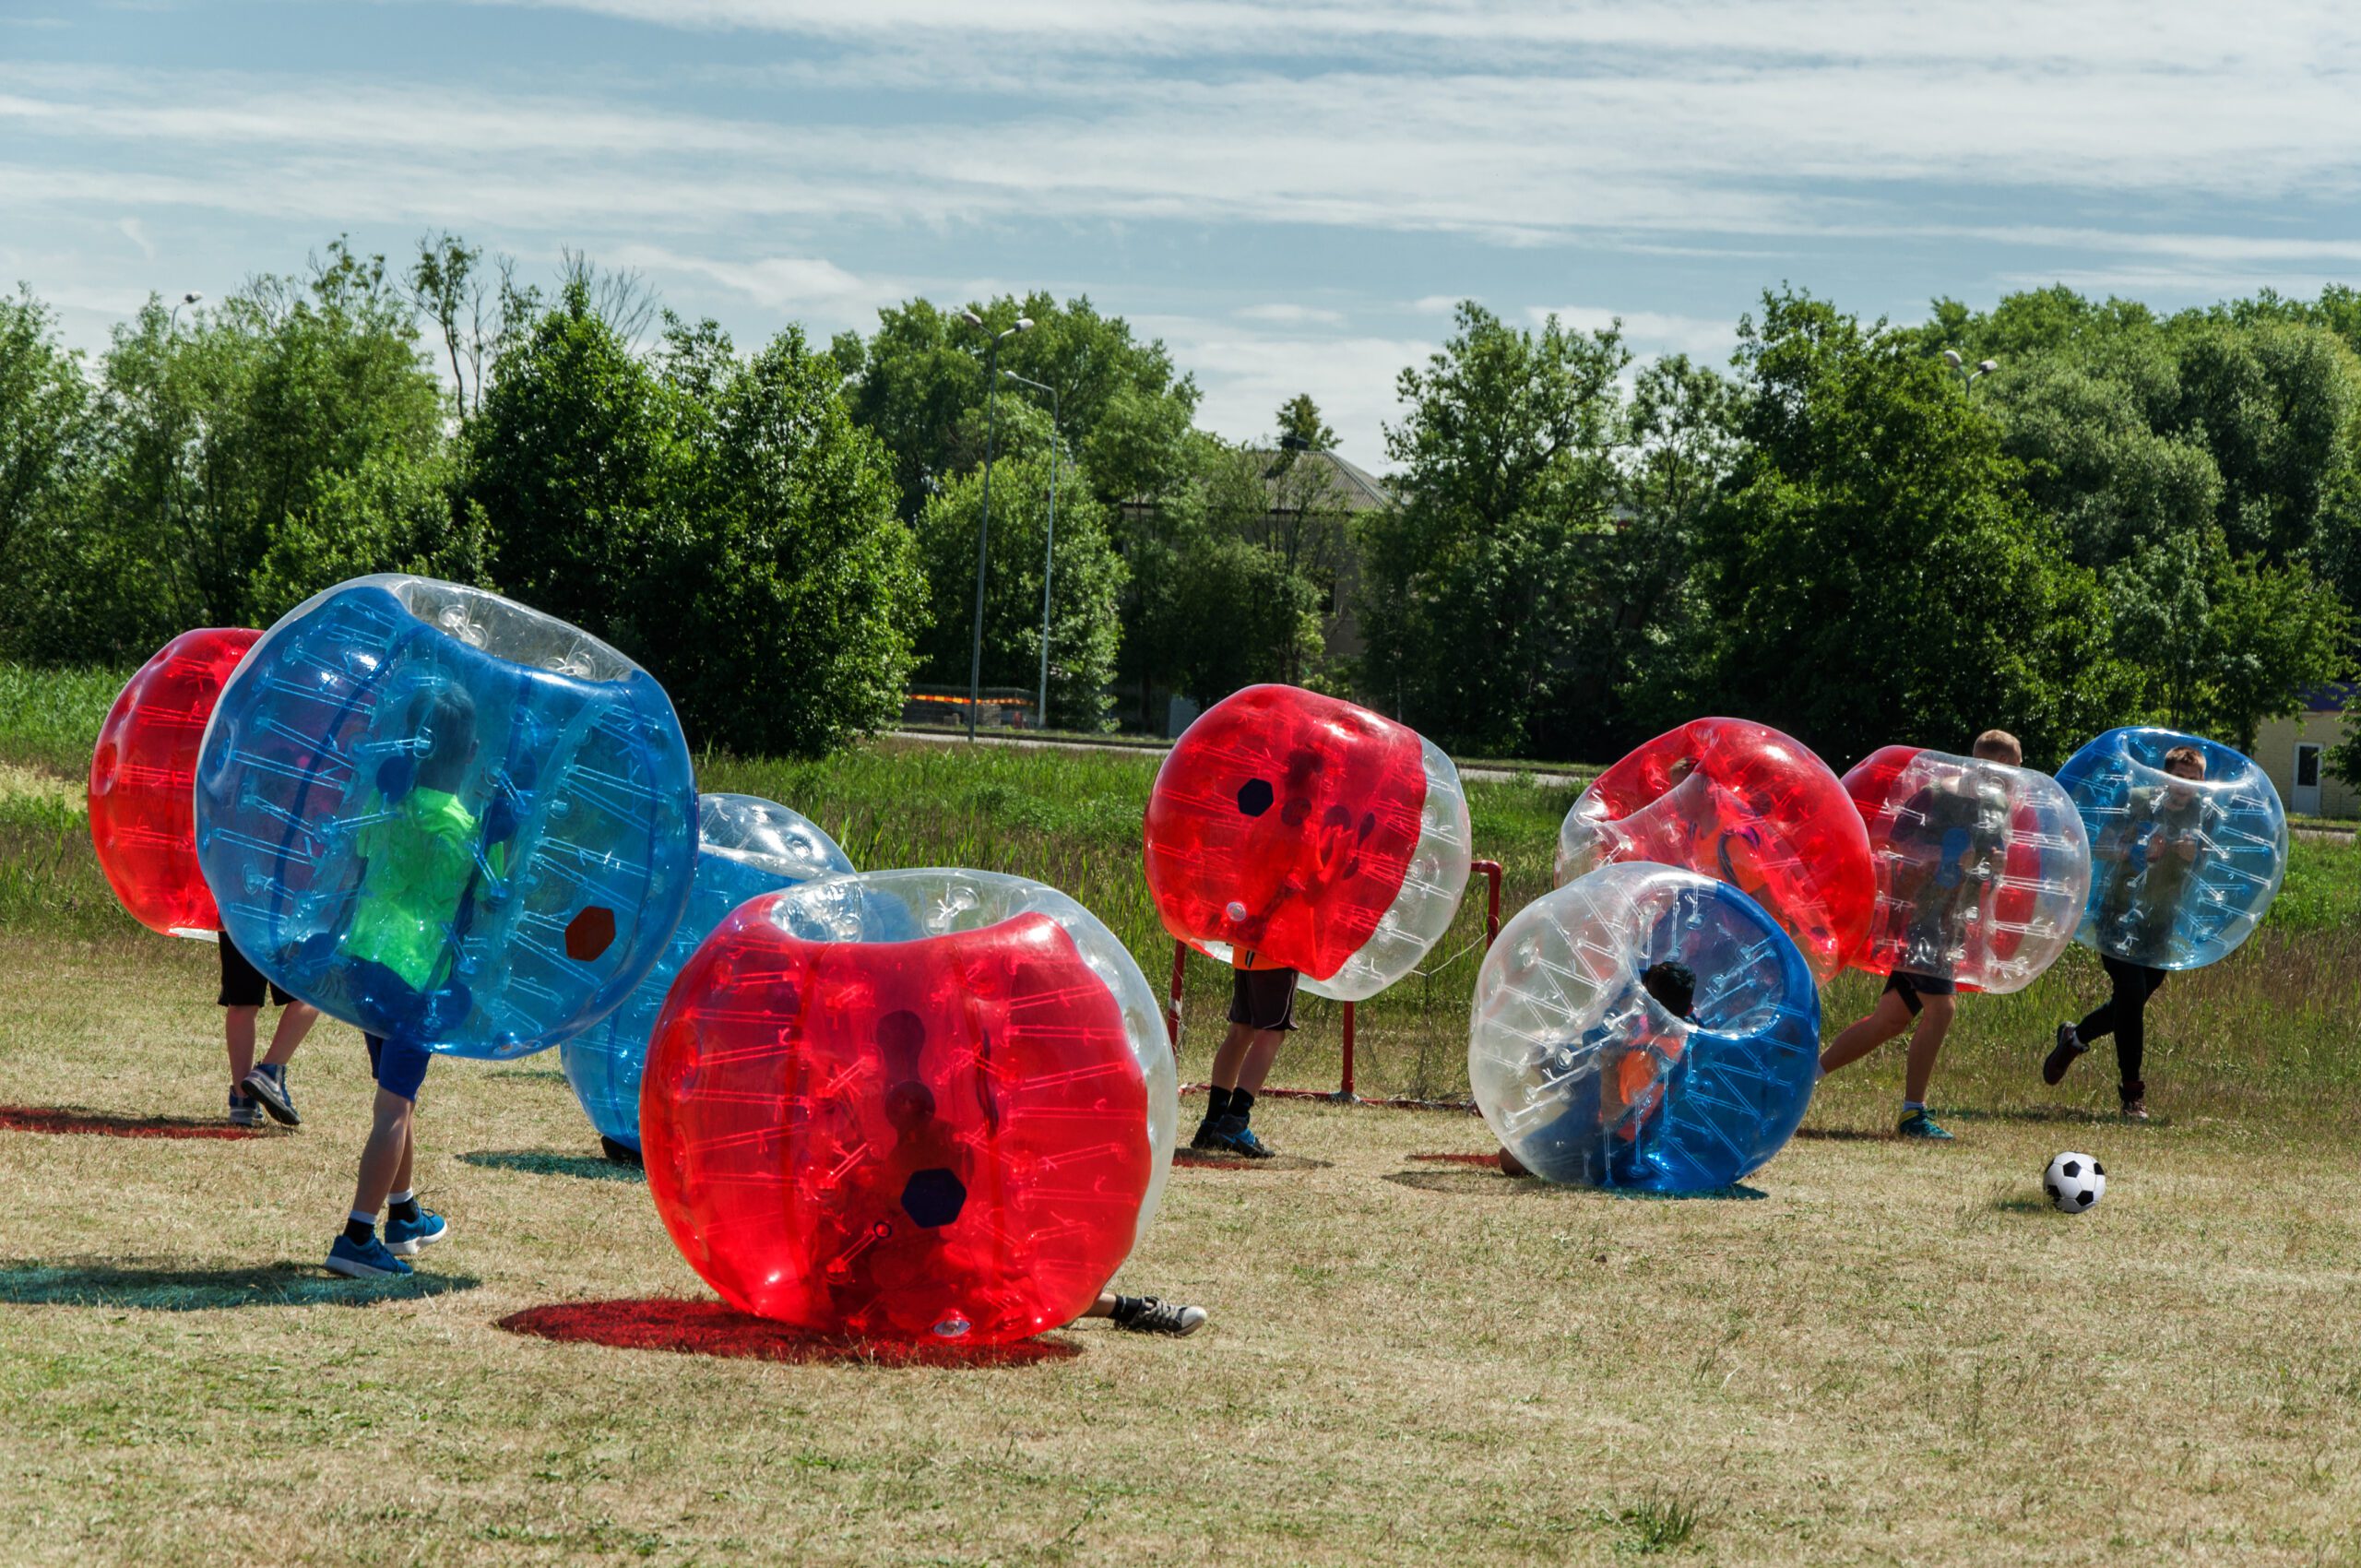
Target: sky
x,y
1292,197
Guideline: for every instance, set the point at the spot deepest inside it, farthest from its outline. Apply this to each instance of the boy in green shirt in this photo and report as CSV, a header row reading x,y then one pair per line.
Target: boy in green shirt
x,y
419,862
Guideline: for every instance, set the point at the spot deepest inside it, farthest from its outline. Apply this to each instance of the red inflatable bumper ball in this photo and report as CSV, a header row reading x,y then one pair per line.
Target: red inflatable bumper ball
x,y
910,1106
1291,830
143,781
1745,804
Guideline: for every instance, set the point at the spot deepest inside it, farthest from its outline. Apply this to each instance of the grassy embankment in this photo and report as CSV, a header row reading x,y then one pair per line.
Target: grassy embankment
x,y
1896,1354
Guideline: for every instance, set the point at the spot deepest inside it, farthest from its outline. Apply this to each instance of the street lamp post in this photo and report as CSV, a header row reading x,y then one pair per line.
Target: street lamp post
x,y
1049,549
165,464
984,532
1968,378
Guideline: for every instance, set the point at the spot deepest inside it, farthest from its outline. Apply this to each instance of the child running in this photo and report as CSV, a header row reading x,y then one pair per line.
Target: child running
x,y
1948,838
2151,855
418,871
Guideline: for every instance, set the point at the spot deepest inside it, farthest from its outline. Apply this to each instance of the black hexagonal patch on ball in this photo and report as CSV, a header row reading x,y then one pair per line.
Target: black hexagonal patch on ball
x,y
934,1198
2070,1169
1254,797
589,933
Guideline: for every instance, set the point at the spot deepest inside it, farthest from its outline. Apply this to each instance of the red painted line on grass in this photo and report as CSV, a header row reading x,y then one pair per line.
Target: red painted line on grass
x,y
709,1328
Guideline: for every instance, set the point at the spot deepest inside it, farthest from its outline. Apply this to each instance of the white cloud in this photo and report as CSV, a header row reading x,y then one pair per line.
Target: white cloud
x,y
1290,314
1650,333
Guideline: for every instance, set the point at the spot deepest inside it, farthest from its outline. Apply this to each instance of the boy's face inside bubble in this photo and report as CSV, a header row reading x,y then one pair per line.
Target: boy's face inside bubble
x,y
445,723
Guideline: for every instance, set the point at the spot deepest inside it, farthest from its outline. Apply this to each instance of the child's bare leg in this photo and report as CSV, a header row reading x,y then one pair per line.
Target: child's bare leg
x,y
295,1021
237,1030
1232,1058
1926,1042
1887,1019
385,1159
1261,1050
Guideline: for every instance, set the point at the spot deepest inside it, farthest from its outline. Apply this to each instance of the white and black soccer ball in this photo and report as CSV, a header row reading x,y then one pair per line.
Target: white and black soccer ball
x,y
2075,1183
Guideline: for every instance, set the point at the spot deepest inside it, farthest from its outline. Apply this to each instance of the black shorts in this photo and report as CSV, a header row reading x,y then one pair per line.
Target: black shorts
x,y
1910,988
242,983
1262,998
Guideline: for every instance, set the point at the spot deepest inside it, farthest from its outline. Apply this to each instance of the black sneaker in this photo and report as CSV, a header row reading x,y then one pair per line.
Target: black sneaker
x,y
1157,1315
2069,1046
1232,1136
269,1089
1209,1136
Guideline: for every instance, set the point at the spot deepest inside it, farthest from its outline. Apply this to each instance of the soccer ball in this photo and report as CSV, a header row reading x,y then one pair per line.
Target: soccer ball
x,y
2075,1183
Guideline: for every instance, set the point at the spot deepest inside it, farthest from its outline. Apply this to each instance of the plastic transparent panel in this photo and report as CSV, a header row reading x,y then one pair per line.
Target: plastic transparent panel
x,y
1586,1078
746,846
907,906
436,842
2182,870
1982,870
1409,931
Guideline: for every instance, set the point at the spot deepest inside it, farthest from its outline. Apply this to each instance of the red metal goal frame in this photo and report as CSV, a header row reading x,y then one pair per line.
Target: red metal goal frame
x,y
1344,1095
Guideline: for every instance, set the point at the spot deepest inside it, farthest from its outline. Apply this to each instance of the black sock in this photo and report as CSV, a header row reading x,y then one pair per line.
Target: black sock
x,y
1217,1103
1126,1308
403,1209
360,1232
1241,1104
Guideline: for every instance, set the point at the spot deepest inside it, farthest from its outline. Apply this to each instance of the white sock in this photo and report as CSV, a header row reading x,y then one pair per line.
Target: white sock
x,y
404,1195
365,1218
1910,1105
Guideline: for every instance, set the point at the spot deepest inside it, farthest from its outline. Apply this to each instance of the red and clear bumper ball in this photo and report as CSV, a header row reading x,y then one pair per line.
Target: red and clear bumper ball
x,y
1981,868
911,1106
1745,804
1291,830
143,781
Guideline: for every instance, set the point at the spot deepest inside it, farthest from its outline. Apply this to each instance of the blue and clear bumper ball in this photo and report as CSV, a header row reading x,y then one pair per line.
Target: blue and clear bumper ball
x,y
746,846
444,817
1587,1078
2183,869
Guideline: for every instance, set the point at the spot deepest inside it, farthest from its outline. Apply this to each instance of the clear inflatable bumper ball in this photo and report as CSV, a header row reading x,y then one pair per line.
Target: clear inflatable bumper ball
x,y
444,817
1743,804
1586,1078
143,778
2186,855
909,1106
746,846
1291,830
1981,868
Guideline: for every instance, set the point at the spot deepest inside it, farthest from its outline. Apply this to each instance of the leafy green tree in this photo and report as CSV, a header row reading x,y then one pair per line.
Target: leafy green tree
x,y
1086,583
223,433
1878,573
1681,426
918,383
578,464
2225,643
1481,608
722,521
1300,427
797,595
49,439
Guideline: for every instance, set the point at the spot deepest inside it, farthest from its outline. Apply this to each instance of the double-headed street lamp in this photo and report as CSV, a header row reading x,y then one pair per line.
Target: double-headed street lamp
x,y
984,533
1968,378
1049,549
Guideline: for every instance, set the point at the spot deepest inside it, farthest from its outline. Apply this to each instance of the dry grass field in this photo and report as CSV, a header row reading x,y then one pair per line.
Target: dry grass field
x,y
1894,1354
1875,1353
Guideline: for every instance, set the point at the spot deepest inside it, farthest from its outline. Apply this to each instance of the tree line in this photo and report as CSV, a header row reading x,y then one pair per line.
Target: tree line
x,y
1847,533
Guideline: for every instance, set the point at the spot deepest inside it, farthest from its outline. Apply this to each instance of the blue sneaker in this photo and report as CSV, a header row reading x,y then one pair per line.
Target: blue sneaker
x,y
371,1260
1232,1136
1918,1125
405,1238
244,1112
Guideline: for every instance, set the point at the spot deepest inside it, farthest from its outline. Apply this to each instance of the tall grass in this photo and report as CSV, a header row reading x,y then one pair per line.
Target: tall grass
x,y
2281,1019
